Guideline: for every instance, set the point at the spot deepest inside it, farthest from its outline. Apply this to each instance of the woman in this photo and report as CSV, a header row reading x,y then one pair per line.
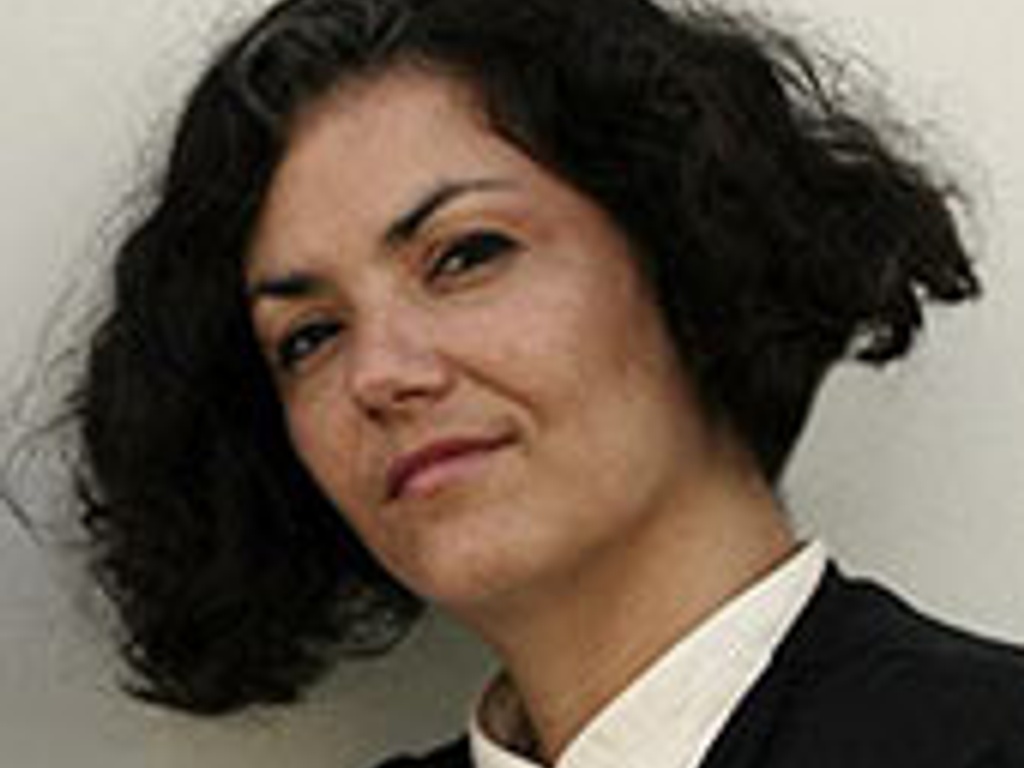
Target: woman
x,y
518,308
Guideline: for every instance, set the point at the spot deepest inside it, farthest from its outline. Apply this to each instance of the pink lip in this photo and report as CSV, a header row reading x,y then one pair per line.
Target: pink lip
x,y
407,466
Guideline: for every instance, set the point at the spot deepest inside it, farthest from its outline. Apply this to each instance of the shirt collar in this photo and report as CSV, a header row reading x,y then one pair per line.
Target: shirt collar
x,y
668,716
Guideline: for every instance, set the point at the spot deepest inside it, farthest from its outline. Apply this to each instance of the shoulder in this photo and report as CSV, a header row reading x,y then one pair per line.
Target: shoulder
x,y
452,754
884,680
903,649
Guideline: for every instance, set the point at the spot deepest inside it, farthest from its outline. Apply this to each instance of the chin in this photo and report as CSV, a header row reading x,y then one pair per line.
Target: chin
x,y
466,572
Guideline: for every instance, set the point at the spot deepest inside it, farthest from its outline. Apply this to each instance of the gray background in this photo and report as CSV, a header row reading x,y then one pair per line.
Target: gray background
x,y
915,475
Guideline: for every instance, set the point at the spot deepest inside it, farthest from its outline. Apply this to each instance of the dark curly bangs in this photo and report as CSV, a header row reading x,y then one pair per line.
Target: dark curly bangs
x,y
780,233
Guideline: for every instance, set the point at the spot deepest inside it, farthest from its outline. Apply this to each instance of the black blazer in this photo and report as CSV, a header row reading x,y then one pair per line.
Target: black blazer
x,y
863,681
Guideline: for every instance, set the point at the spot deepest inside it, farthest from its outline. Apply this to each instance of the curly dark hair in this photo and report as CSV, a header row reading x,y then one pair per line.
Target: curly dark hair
x,y
781,233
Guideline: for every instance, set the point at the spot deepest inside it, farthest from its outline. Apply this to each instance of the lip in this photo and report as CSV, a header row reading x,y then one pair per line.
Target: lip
x,y
403,469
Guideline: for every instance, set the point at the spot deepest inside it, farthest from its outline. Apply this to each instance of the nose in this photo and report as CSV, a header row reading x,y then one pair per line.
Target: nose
x,y
396,369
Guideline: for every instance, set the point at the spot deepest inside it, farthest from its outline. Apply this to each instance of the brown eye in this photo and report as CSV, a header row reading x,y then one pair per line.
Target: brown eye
x,y
302,342
470,252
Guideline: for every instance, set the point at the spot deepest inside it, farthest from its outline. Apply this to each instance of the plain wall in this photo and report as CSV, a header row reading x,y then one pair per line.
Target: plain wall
x,y
915,474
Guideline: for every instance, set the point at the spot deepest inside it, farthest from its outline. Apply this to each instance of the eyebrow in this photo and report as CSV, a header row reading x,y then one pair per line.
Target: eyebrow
x,y
403,229
291,286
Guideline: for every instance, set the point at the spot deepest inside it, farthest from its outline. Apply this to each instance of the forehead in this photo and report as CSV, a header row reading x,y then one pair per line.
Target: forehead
x,y
364,153
367,151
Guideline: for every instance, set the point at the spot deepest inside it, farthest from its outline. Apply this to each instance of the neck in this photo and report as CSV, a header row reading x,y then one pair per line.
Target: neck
x,y
572,644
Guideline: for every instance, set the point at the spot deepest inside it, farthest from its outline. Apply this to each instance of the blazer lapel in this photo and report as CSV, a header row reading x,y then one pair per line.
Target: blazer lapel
x,y
818,640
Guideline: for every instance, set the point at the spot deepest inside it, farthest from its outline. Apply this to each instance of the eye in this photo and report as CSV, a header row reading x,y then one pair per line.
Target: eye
x,y
468,253
302,342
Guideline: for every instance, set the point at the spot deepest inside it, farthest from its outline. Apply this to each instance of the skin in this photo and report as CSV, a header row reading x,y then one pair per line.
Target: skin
x,y
612,518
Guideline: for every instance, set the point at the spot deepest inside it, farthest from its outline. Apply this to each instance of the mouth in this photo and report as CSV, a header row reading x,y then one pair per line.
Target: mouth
x,y
424,470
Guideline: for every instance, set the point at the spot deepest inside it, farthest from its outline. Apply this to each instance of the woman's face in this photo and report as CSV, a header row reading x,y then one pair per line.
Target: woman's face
x,y
471,366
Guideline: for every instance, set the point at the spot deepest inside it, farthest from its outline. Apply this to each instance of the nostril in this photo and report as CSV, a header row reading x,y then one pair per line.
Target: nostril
x,y
396,377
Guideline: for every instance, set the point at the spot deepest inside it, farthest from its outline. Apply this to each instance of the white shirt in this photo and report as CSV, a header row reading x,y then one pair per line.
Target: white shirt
x,y
669,716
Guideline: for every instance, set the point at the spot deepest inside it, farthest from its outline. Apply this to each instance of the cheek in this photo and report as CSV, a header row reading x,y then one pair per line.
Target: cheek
x,y
590,352
609,391
329,445
334,452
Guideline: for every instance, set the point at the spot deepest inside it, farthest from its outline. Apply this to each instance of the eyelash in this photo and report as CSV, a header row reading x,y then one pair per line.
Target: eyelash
x,y
473,251
302,342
